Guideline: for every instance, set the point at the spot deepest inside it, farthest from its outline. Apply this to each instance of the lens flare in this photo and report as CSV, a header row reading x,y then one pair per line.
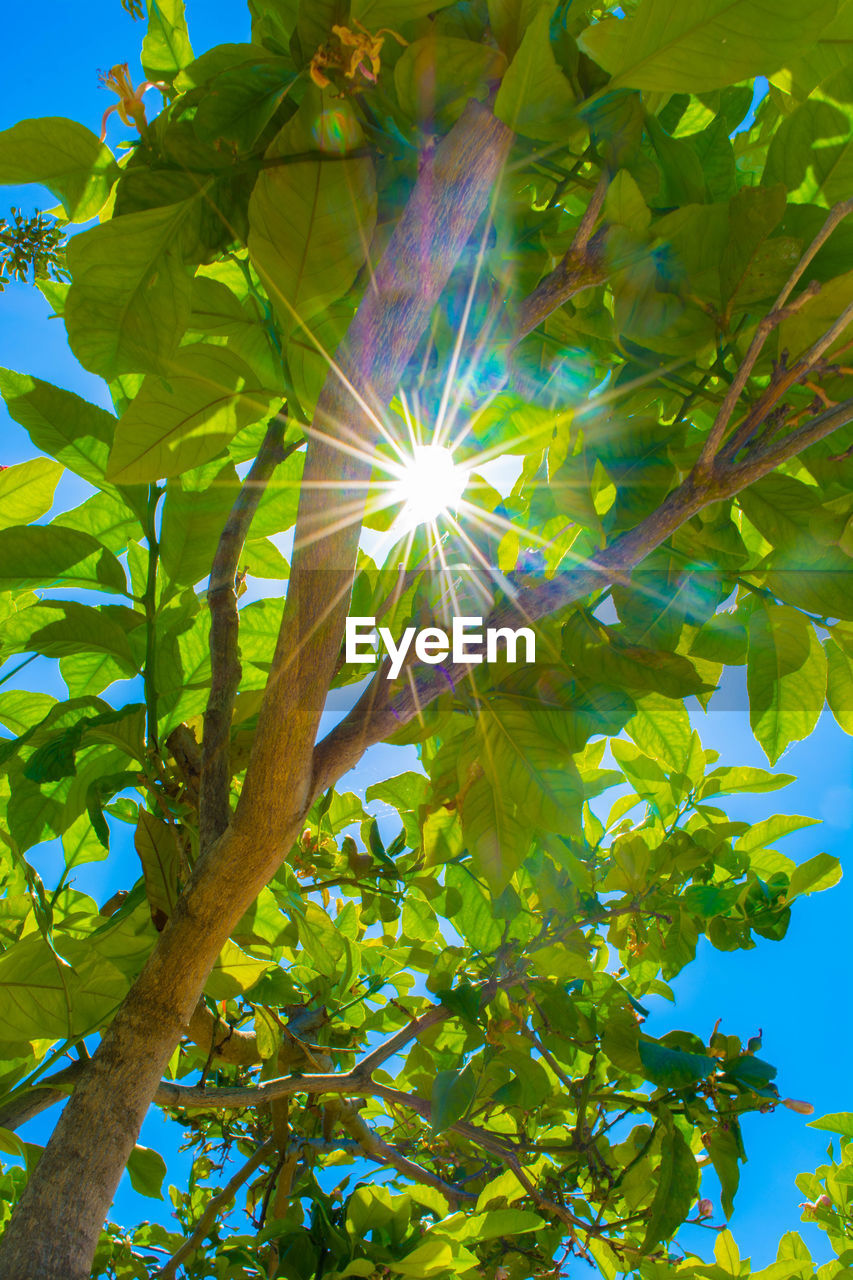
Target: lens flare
x,y
428,485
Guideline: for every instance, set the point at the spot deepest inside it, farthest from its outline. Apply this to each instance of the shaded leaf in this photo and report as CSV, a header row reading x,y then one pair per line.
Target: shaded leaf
x,y
311,221
676,48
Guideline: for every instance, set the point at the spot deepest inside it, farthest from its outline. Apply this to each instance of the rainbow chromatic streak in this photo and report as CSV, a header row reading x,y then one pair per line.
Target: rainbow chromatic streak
x,y
335,130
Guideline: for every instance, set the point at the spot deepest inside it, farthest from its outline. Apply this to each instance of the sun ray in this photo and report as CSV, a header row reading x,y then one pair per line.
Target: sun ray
x,y
352,514
500,523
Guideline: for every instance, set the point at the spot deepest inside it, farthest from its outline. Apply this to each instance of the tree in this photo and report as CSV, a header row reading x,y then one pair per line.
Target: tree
x,y
545,231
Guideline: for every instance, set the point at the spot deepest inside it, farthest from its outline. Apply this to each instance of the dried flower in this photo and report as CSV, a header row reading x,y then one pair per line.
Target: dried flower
x,y
358,52
129,106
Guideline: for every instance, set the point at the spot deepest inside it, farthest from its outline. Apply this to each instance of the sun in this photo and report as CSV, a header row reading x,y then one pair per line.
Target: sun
x,y
428,484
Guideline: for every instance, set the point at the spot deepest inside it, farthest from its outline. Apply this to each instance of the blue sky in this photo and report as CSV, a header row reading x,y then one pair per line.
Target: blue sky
x,y
797,990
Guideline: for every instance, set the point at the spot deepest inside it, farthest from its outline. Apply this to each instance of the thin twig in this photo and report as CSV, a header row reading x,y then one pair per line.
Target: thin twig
x,y
779,312
214,807
779,385
381,1152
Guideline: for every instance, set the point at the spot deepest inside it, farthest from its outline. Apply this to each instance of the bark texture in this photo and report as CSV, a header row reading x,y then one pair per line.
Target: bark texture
x,y
55,1229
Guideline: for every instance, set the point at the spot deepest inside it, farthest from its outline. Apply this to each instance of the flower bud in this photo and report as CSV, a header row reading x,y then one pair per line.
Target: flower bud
x,y
705,1208
802,1108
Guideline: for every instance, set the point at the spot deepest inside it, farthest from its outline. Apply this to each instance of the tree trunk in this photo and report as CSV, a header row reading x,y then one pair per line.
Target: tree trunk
x,y
55,1228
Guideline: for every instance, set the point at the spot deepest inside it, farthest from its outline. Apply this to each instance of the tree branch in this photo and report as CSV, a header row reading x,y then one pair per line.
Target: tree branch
x,y
581,267
778,312
222,1041
22,1106
384,1153
212,1211
226,672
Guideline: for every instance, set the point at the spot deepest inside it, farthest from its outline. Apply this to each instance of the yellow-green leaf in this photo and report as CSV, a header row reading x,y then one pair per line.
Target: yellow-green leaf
x,y
166,49
179,422
673,47
26,490
786,677
63,156
311,220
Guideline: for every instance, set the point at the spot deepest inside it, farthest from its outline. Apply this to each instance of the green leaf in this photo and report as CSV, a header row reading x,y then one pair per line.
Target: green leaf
x,y
499,1223
673,1068
315,21
156,842
726,1253
245,100
744,273
44,556
311,221
835,1122
81,844
234,973
509,19
750,1071
435,77
497,838
432,1257
530,764
26,491
815,317
108,518
70,429
58,628
812,150
129,302
675,1184
535,98
182,421
786,677
661,728
63,156
47,997
819,873
646,776
192,523
384,13
723,1149
760,834
166,49
56,757
20,709
839,684
677,48
405,792
729,780
452,1095
146,1169
474,919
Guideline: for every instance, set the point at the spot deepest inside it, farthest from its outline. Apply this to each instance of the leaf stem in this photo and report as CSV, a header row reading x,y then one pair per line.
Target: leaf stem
x,y
149,601
19,667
